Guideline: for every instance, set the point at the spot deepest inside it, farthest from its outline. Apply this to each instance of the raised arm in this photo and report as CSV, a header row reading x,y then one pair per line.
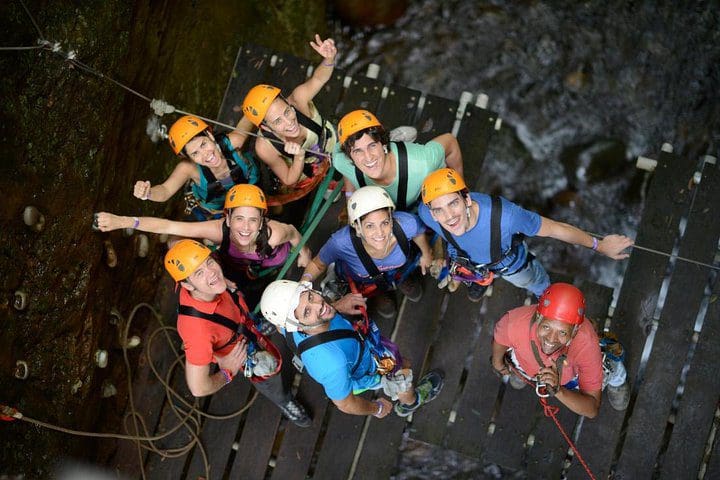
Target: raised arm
x,y
314,269
453,154
184,171
239,136
611,245
305,92
287,175
212,229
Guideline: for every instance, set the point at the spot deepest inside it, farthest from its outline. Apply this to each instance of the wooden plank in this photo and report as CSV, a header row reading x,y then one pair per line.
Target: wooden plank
x,y
336,453
696,411
327,100
298,444
476,130
257,439
363,92
547,455
449,353
437,117
418,324
251,67
289,72
674,334
217,436
468,434
399,107
666,202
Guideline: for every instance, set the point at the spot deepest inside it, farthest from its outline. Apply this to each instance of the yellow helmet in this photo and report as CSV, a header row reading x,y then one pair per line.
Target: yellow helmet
x,y
257,102
441,182
245,195
355,121
183,131
184,258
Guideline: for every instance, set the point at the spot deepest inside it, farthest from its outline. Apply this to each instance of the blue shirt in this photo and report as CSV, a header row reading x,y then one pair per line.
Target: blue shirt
x,y
330,364
339,248
476,241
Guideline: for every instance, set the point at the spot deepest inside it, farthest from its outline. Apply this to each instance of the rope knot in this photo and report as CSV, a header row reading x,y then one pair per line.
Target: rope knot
x,y
549,410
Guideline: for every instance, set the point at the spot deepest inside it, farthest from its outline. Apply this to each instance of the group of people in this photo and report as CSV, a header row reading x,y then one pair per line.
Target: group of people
x,y
401,198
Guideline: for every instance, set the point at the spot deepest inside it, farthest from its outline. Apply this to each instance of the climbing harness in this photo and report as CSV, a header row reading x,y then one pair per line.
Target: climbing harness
x,y
402,200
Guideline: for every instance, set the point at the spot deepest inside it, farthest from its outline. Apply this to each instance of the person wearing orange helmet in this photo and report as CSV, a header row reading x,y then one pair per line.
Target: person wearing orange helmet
x,y
485,235
366,156
217,329
248,240
291,128
211,165
555,348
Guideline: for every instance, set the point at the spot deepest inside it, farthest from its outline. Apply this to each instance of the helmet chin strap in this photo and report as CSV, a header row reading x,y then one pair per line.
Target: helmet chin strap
x,y
312,326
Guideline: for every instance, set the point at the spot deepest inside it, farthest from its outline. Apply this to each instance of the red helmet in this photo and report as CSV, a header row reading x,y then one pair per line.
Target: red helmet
x,y
563,302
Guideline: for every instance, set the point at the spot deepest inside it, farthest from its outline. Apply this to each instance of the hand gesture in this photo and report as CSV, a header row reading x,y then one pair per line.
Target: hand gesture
x,y
549,376
294,148
142,189
107,222
326,48
350,304
234,360
613,246
304,257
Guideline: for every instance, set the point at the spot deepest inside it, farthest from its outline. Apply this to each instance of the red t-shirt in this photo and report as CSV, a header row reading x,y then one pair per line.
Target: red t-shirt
x,y
584,359
202,336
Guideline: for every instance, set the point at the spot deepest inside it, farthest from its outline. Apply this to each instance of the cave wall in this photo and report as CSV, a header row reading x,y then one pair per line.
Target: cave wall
x,y
73,144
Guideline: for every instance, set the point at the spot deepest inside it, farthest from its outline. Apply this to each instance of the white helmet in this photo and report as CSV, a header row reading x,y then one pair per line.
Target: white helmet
x,y
279,301
368,199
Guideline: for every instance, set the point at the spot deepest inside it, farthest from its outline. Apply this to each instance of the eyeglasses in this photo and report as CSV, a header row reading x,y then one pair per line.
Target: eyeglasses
x,y
288,114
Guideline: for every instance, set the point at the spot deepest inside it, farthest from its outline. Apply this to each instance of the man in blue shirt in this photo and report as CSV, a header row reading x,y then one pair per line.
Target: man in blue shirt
x,y
345,364
485,235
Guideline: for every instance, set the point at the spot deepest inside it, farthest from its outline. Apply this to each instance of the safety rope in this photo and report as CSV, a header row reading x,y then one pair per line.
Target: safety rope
x,y
189,417
159,107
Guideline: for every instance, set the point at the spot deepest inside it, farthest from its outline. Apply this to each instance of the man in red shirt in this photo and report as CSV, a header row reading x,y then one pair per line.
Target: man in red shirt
x,y
216,328
551,344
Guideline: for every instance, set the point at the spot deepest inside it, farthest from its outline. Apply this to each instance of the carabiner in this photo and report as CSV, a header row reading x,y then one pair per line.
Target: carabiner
x,y
541,390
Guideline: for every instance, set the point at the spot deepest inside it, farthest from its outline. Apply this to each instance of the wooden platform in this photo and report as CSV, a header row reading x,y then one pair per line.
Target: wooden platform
x,y
476,414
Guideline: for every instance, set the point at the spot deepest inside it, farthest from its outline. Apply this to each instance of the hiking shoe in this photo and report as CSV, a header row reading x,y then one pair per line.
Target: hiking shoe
x,y
475,292
404,133
516,382
295,412
412,288
384,305
619,397
427,389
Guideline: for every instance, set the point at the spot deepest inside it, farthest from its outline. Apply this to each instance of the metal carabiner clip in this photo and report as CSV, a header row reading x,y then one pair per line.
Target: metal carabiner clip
x,y
541,390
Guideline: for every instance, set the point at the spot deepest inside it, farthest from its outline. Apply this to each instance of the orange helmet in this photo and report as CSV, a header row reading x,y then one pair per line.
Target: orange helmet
x,y
563,302
183,131
441,182
355,121
245,195
184,258
257,102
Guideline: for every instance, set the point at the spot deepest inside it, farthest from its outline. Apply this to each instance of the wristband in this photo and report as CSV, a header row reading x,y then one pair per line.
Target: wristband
x,y
136,222
595,243
348,194
228,376
331,64
379,410
308,275
147,197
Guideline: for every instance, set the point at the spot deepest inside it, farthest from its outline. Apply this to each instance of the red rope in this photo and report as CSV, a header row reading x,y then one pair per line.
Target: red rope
x,y
551,411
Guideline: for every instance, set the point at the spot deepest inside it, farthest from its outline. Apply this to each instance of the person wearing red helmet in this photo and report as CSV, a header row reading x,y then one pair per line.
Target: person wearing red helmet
x,y
551,345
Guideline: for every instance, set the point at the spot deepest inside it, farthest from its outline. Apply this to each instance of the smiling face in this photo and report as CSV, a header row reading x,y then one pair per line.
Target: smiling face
x,y
554,334
376,229
368,155
312,310
245,224
451,211
206,282
281,119
204,151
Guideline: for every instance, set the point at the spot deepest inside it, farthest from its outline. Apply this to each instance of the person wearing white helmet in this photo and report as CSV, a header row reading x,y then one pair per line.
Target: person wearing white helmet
x,y
343,361
377,252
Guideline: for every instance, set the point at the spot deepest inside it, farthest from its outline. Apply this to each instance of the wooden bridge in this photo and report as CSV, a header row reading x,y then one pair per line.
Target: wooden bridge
x,y
662,434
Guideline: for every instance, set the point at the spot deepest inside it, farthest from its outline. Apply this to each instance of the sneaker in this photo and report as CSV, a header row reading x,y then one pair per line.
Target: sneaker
x,y
384,305
475,292
404,133
619,397
412,288
295,412
427,389
516,382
